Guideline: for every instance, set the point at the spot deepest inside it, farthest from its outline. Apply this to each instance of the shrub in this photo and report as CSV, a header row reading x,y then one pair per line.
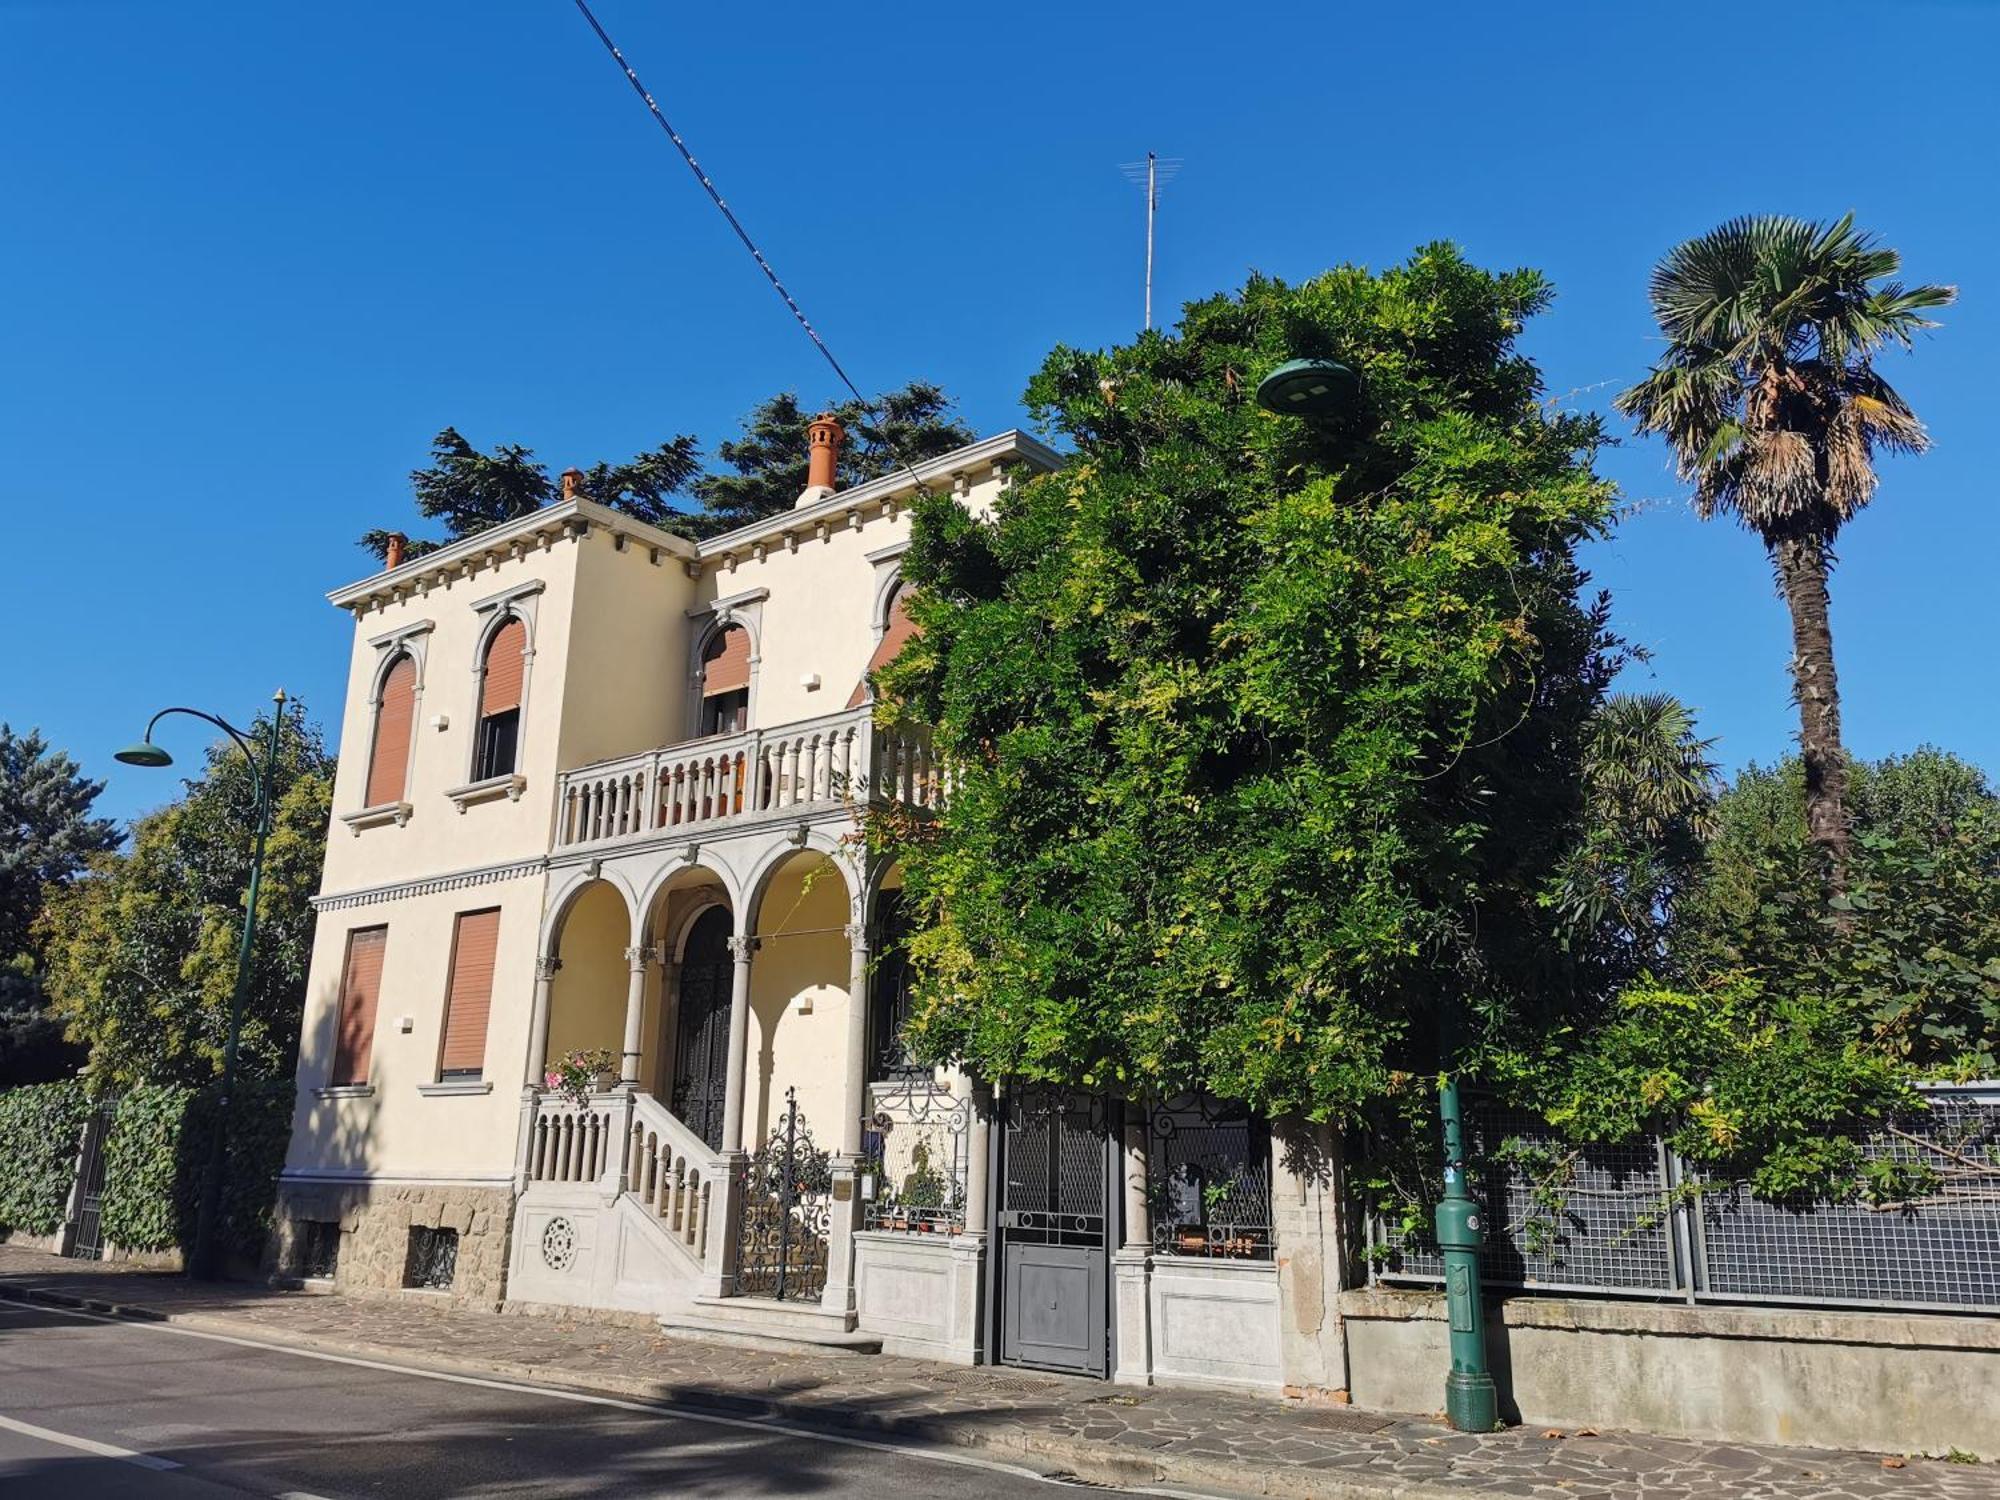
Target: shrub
x,y
154,1154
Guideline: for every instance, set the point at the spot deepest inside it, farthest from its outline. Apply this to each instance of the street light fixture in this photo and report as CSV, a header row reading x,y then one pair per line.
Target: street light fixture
x,y
146,753
1325,388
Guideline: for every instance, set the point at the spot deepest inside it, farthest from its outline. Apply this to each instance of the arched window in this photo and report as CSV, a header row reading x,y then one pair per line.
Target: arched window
x,y
725,681
395,720
895,635
497,747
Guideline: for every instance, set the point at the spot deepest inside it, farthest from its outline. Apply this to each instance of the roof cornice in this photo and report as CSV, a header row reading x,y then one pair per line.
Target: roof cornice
x,y
1012,445
551,522
509,538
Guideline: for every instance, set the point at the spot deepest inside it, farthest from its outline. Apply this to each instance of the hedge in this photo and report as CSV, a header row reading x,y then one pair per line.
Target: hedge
x,y
41,1127
154,1154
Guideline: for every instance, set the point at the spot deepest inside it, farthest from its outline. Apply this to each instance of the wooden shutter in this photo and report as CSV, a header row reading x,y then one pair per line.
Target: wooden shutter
x,y
360,988
726,663
469,999
894,638
505,659
395,718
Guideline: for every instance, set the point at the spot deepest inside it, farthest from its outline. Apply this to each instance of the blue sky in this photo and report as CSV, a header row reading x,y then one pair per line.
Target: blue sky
x,y
257,254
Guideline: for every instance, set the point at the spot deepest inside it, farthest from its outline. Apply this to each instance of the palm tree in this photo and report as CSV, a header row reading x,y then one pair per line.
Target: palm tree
x,y
1769,398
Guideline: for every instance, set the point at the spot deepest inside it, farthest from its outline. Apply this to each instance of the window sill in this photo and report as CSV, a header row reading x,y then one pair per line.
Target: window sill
x,y
345,1091
452,1088
491,789
374,817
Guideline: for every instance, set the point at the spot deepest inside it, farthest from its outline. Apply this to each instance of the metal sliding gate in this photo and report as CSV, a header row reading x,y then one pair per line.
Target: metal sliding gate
x,y
1054,1217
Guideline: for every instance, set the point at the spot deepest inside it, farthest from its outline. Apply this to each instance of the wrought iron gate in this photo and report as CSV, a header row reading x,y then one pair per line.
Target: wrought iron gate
x,y
787,1188
88,1241
1054,1216
701,1031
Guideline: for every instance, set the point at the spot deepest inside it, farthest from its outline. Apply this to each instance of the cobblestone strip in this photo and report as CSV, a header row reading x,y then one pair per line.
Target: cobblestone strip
x,y
1104,1434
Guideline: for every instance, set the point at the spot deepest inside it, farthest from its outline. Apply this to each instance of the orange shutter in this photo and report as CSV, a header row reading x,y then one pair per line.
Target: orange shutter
x,y
505,657
360,988
470,997
395,716
894,638
726,662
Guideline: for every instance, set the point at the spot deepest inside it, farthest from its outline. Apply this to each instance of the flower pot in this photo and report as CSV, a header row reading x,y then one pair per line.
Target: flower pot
x,y
603,1082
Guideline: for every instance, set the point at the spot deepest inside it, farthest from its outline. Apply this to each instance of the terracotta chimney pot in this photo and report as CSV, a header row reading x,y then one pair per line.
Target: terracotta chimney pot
x,y
392,555
825,435
572,484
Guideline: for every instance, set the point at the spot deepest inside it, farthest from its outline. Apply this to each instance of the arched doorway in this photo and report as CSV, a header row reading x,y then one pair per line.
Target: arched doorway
x,y
701,1032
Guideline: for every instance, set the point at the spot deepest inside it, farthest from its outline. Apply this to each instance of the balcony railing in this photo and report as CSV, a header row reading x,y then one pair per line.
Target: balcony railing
x,y
814,765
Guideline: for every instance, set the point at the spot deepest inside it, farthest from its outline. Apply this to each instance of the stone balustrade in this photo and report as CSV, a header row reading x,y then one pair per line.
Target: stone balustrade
x,y
838,760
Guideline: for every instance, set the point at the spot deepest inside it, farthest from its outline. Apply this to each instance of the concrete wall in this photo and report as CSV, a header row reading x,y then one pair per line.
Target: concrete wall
x,y
1887,1382
1214,1322
922,1293
798,1002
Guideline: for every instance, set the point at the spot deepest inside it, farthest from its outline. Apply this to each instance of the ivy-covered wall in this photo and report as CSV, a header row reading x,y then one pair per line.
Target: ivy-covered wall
x,y
154,1153
40,1129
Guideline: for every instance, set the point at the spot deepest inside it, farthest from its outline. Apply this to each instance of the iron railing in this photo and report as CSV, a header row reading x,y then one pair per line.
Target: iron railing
x,y
916,1151
1639,1220
781,1242
1208,1179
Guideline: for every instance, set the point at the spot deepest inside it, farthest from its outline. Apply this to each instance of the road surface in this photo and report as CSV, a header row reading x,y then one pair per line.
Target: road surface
x,y
95,1409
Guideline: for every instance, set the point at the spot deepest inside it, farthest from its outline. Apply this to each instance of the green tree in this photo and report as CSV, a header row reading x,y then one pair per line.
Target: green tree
x,y
769,460
47,834
1769,397
141,951
1650,792
1267,733
471,492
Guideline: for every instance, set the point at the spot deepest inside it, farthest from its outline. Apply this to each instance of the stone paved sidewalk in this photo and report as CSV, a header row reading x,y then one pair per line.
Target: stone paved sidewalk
x,y
1195,1440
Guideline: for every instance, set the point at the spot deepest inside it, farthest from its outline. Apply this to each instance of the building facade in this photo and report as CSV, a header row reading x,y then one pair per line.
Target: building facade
x,y
602,790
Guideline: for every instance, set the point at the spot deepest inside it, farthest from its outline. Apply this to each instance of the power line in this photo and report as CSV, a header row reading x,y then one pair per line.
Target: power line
x,y
708,186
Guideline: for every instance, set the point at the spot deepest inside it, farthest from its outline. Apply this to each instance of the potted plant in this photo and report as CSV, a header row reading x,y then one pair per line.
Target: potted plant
x,y
579,1074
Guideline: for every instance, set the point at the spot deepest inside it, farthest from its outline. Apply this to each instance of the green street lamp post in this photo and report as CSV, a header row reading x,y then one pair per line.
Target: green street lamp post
x,y
1324,388
203,1262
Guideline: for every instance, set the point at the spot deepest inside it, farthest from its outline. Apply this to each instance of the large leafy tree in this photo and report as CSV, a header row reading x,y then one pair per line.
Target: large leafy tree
x,y
1267,733
768,461
141,951
47,833
470,491
1769,396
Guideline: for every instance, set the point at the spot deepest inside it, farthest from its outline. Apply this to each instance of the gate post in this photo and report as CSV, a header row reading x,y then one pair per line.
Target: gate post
x,y
1131,1265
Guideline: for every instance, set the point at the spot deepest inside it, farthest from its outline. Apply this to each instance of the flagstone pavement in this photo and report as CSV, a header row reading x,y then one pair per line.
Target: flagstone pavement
x,y
1192,1440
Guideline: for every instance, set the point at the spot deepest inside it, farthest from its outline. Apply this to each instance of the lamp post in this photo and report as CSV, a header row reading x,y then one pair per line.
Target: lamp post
x,y
1323,388
146,753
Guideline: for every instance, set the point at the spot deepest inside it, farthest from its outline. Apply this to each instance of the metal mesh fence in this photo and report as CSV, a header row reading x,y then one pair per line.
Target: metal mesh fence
x,y
1609,1219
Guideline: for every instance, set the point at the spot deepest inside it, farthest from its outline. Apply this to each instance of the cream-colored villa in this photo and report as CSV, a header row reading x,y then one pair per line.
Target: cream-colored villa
x,y
602,787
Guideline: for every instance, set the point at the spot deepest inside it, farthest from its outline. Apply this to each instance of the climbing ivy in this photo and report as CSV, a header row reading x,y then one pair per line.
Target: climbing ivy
x,y
156,1149
41,1127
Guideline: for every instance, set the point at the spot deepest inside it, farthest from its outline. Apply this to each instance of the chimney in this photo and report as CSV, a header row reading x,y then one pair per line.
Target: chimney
x,y
572,484
392,555
826,435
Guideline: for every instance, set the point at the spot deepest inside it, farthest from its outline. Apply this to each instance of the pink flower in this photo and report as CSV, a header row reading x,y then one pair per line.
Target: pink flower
x,y
552,1081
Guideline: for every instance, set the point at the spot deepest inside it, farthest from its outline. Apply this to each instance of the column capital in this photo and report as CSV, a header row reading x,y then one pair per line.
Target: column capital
x,y
638,958
742,947
857,934
546,966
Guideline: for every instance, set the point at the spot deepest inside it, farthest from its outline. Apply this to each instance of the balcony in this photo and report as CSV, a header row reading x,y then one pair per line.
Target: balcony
x,y
840,761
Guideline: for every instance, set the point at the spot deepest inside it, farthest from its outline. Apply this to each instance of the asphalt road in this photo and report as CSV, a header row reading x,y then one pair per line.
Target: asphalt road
x,y
99,1410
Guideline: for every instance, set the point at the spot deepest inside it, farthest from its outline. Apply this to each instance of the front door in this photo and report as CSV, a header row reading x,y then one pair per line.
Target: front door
x,y
1054,1216
701,1035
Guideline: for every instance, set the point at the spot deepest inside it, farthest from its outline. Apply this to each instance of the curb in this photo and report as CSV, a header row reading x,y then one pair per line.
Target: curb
x,y
1050,1455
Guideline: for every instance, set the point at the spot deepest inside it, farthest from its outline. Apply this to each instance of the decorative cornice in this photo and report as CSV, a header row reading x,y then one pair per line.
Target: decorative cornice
x,y
728,602
507,596
401,634
403,890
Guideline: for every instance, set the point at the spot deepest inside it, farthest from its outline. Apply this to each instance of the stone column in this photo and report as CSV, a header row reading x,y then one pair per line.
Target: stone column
x,y
1306,1234
538,1019
1132,1264
979,1162
635,1016
854,1092
844,1214
970,1262
741,946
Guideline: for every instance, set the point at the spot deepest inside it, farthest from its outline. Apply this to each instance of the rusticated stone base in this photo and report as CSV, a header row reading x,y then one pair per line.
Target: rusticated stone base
x,y
375,1221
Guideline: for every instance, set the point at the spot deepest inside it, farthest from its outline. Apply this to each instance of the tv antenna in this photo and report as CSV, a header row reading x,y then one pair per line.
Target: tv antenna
x,y
1152,174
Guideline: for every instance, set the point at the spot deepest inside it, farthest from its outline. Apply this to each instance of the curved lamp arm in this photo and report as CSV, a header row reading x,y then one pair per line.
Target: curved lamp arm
x,y
257,778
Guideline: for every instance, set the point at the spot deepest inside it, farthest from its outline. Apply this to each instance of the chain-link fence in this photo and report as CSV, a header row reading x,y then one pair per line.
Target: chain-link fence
x,y
1637,1219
